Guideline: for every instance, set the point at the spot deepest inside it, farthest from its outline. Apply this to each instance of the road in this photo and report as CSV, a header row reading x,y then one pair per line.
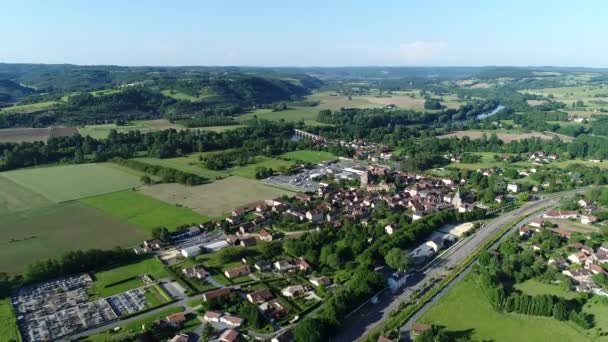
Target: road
x,y
368,317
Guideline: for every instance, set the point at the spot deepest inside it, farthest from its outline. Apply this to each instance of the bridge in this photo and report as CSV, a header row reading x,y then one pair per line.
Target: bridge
x,y
307,135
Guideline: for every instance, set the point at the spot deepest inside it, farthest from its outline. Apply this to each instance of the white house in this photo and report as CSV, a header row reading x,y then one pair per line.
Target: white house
x,y
588,219
212,316
233,321
513,187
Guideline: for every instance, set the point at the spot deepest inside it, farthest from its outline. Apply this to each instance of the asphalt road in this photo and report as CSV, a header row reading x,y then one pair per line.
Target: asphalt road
x,y
368,317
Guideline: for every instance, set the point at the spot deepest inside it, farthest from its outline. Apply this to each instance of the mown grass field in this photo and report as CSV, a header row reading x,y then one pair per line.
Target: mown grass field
x,y
49,231
8,323
103,285
15,198
145,212
214,199
70,182
465,310
309,156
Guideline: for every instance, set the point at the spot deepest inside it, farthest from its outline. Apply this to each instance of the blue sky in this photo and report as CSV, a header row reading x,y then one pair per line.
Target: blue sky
x,y
306,33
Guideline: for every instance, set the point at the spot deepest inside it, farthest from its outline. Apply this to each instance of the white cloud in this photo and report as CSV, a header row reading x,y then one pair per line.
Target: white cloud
x,y
421,51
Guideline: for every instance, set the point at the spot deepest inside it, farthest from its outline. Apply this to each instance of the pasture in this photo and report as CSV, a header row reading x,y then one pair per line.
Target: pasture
x,y
158,124
47,232
143,211
15,198
18,135
214,199
594,97
309,156
70,182
465,310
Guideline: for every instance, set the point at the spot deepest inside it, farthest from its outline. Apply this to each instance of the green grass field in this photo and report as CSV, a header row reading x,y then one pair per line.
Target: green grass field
x,y
534,287
28,108
8,323
219,128
15,198
70,182
248,171
143,211
102,131
151,266
465,310
309,156
214,199
46,232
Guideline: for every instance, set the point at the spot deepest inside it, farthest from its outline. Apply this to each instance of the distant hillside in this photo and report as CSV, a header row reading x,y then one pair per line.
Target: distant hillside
x,y
10,91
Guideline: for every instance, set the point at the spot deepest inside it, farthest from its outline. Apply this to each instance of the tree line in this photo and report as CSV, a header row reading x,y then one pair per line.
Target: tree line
x,y
166,174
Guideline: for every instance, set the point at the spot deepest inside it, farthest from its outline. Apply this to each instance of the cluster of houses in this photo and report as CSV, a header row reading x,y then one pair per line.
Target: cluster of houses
x,y
541,157
580,265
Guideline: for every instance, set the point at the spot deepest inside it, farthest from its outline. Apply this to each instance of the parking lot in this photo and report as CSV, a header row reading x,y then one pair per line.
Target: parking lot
x,y
307,179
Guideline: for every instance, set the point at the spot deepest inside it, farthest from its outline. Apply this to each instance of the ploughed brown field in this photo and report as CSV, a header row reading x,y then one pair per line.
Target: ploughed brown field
x,y
506,137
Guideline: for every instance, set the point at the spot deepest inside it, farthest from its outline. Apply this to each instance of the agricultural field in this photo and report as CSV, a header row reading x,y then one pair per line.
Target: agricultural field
x,y
49,231
158,124
309,156
506,137
214,199
70,182
18,135
565,163
594,97
8,323
15,198
143,211
219,129
58,132
465,310
124,278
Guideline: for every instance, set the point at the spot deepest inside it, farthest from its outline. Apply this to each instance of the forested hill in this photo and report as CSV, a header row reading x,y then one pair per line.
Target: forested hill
x,y
71,94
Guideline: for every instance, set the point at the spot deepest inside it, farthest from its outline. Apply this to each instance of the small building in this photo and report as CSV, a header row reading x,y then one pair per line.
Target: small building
x,y
180,338
263,265
219,293
212,316
283,265
420,328
588,219
513,187
537,222
196,271
293,290
191,251
237,272
318,281
175,320
229,336
314,216
560,214
259,296
232,321
265,235
247,241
